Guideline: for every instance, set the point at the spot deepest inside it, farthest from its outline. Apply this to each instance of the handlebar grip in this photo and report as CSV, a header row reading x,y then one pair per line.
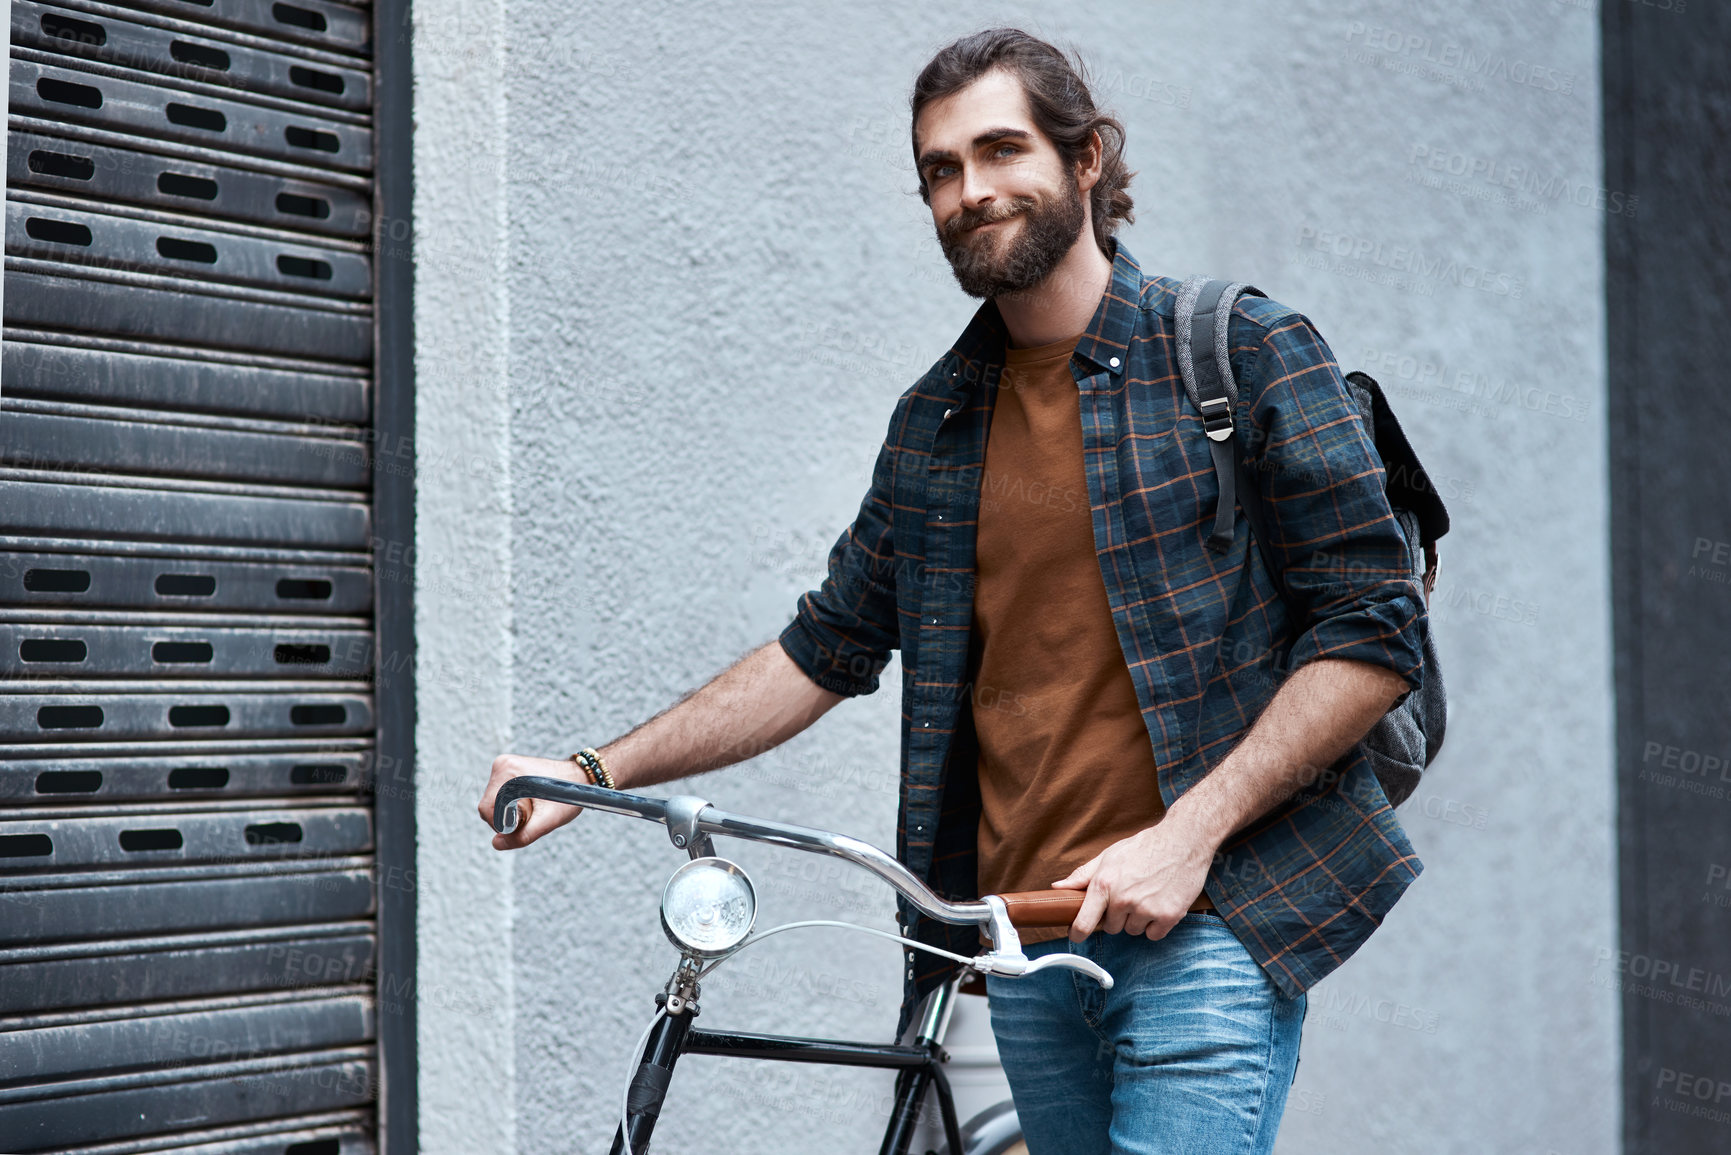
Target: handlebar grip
x,y
505,814
1031,909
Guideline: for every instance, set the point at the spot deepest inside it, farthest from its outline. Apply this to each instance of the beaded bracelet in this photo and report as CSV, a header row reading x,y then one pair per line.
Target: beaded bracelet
x,y
591,761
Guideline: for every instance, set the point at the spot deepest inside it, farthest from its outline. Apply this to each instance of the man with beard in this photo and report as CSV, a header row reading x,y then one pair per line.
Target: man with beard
x,y
1092,699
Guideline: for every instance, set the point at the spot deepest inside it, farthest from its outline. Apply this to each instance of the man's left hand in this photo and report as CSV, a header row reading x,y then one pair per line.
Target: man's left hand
x,y
1141,885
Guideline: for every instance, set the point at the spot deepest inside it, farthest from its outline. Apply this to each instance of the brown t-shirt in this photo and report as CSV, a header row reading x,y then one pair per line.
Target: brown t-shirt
x,y
1066,765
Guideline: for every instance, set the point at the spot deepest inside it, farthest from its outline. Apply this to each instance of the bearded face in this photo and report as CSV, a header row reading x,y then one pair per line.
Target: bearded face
x,y
1010,245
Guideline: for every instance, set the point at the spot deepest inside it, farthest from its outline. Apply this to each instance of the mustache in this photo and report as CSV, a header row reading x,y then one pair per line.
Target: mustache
x,y
969,219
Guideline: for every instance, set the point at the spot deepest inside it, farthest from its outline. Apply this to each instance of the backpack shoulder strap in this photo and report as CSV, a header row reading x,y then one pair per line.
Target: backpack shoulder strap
x,y
1202,318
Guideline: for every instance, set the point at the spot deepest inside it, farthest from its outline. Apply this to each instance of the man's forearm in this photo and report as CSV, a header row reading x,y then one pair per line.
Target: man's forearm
x,y
757,703
1314,718
1144,883
754,705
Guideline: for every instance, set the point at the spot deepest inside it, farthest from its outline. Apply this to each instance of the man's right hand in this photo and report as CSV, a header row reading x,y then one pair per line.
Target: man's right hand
x,y
535,816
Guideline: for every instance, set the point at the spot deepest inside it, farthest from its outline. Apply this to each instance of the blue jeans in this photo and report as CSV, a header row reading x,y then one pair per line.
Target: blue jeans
x,y
1192,1050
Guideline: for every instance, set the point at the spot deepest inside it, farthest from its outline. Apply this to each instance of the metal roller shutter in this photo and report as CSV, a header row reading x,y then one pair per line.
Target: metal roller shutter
x,y
189,942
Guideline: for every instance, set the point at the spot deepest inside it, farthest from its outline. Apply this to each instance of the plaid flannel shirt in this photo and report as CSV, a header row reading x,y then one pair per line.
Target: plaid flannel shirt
x,y
1207,637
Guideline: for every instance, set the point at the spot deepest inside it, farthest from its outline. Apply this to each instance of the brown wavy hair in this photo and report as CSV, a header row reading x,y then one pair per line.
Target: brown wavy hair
x,y
1059,99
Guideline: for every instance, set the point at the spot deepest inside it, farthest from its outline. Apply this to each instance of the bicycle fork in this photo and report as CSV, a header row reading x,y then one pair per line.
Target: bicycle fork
x,y
649,1085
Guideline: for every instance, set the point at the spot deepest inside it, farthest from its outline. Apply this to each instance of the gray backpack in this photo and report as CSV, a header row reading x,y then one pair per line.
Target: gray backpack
x,y
1406,739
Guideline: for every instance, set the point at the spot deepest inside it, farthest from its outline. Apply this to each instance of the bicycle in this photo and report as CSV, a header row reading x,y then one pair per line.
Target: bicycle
x,y
709,910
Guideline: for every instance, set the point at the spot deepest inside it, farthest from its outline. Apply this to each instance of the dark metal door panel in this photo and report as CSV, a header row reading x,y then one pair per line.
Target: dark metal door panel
x,y
183,51
203,115
122,175
197,711
124,304
44,365
84,1111
142,443
140,772
183,967
148,839
115,511
91,581
189,892
332,1133
324,24
39,909
152,651
64,231
62,1045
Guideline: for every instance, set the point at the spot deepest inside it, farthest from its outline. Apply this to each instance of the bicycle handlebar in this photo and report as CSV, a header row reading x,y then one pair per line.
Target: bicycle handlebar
x,y
690,820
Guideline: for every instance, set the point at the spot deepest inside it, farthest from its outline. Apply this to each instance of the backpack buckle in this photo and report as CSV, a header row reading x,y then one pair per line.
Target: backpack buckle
x,y
1218,423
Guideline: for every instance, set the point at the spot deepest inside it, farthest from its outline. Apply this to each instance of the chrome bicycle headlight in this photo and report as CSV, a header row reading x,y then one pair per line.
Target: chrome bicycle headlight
x,y
708,906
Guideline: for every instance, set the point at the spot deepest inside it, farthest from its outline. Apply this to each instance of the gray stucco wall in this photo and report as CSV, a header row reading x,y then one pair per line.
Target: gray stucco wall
x,y
462,561
682,274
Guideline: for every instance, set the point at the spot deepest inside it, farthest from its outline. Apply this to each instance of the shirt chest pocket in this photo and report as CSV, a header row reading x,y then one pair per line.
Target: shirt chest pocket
x,y
1164,481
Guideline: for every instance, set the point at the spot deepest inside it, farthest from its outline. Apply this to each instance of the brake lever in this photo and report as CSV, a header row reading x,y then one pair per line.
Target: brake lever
x,y
1019,966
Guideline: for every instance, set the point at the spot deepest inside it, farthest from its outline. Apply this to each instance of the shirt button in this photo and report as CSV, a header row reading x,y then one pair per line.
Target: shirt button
x,y
947,412
1113,362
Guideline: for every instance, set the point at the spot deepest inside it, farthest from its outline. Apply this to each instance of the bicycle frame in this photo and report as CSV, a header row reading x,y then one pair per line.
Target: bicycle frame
x,y
919,1067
